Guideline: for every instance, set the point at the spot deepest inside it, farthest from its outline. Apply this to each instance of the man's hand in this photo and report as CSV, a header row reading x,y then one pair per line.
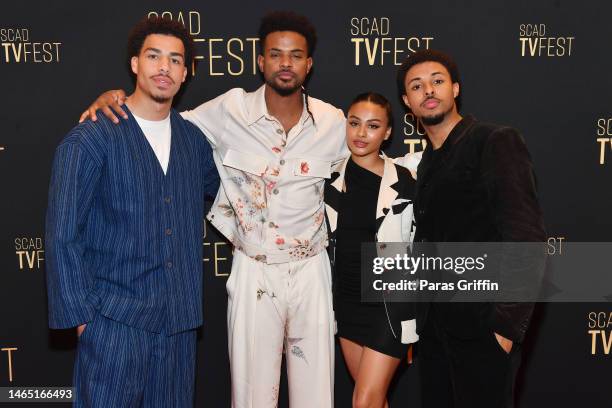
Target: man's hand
x,y
110,102
504,343
81,329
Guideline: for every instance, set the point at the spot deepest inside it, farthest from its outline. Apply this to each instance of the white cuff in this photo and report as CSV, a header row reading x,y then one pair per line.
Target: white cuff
x,y
409,334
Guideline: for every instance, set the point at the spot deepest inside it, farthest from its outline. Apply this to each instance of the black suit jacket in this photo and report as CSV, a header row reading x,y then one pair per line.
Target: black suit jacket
x,y
479,186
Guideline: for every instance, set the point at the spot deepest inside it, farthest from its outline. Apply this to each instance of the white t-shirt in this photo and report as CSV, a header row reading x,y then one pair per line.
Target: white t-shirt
x,y
158,134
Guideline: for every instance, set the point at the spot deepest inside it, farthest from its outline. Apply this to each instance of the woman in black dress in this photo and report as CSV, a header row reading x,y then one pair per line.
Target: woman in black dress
x,y
368,200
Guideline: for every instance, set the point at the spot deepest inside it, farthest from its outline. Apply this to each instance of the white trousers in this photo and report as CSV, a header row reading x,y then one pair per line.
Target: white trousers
x,y
279,307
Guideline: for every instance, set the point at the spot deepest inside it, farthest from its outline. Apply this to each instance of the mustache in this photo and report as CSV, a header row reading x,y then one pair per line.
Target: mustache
x,y
285,71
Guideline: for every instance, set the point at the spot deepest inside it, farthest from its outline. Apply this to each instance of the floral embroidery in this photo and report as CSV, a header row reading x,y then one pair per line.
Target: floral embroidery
x,y
228,211
296,351
318,218
238,180
260,258
261,292
275,172
280,241
304,168
276,149
270,185
302,249
274,396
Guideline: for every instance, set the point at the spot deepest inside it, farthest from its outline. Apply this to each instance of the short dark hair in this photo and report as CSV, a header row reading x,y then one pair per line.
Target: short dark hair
x,y
426,56
376,99
159,25
287,21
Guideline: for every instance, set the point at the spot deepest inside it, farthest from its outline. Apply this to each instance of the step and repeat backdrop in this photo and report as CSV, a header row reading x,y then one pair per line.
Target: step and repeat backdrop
x,y
541,66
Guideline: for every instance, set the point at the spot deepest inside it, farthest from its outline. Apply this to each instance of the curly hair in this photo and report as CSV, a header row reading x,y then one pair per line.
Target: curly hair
x,y
159,25
288,21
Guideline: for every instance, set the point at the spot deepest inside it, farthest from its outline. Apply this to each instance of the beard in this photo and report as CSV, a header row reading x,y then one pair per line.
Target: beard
x,y
436,119
157,97
160,98
433,120
283,90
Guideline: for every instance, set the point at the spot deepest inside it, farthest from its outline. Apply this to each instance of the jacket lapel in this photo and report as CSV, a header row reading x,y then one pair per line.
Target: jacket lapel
x,y
388,189
333,190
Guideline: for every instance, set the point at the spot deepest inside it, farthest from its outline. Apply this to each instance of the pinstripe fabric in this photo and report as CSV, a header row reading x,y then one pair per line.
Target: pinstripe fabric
x,y
121,366
121,237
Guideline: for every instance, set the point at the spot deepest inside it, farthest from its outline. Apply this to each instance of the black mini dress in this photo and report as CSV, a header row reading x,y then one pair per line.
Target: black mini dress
x,y
365,323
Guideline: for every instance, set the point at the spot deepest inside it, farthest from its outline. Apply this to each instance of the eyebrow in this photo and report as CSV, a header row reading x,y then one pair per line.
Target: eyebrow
x,y
369,120
293,50
174,54
433,73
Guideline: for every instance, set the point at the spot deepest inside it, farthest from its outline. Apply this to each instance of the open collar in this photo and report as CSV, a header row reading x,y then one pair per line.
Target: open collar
x,y
257,108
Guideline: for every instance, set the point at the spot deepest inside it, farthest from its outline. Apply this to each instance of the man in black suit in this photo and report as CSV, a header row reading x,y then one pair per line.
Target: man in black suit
x,y
475,183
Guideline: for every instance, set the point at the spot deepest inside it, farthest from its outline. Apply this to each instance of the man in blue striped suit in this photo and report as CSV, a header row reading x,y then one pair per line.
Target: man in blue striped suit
x,y
124,235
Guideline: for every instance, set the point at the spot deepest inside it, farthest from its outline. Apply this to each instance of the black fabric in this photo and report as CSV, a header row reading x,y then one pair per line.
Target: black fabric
x,y
367,325
479,186
356,224
465,373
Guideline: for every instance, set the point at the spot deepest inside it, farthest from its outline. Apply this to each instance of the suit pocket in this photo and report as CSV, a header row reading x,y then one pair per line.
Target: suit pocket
x,y
306,167
85,334
496,345
247,162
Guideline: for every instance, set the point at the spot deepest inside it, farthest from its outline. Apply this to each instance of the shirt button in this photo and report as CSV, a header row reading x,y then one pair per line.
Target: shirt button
x,y
283,143
168,231
421,212
279,131
167,200
282,162
275,191
169,265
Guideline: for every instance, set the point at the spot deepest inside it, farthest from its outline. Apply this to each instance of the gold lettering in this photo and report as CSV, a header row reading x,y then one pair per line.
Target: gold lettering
x,y
240,60
593,334
602,146
218,259
9,351
212,57
357,42
606,344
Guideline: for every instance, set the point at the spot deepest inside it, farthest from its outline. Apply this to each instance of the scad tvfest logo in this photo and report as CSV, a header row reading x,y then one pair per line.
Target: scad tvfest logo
x,y
600,332
373,44
536,41
217,56
30,253
604,138
17,46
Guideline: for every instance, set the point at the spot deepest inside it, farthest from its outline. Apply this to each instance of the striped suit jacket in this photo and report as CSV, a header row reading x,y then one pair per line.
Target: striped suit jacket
x,y
122,238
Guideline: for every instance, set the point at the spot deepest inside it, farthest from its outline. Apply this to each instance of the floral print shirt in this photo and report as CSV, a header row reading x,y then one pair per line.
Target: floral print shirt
x,y
270,203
